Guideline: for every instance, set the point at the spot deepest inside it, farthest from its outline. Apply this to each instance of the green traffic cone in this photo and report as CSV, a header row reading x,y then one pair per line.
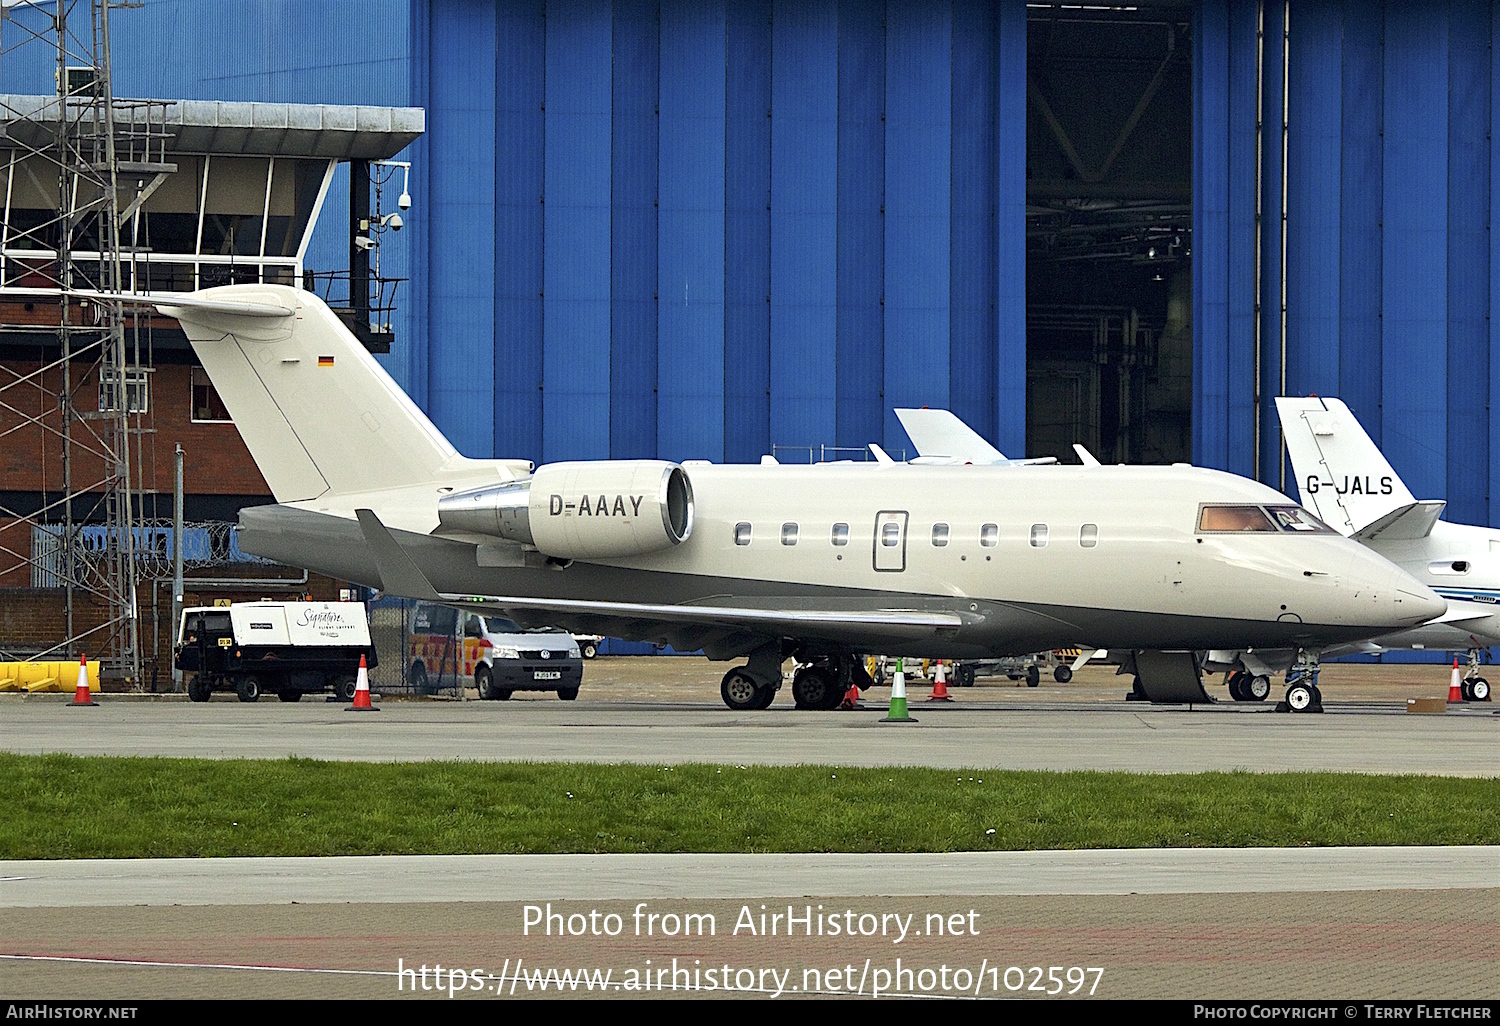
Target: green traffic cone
x,y
898,713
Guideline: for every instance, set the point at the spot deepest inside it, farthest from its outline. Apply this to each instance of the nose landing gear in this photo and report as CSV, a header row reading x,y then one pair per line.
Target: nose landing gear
x,y
1302,694
1474,687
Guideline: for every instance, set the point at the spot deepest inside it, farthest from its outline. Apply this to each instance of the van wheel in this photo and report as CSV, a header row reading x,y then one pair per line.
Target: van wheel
x,y
248,688
198,689
343,688
567,694
289,696
484,683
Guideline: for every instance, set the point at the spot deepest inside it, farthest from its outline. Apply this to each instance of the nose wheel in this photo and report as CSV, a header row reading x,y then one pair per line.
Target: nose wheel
x,y
1474,687
1302,694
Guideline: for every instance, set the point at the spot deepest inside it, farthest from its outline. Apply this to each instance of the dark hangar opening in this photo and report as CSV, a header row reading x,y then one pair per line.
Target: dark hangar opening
x,y
1109,341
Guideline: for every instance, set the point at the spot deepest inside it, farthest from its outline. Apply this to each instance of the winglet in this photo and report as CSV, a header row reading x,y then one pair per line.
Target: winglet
x,y
881,456
1088,458
399,574
1408,523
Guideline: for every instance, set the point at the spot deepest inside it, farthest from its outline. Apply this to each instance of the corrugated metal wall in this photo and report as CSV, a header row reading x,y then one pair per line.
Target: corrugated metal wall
x,y
1389,275
716,227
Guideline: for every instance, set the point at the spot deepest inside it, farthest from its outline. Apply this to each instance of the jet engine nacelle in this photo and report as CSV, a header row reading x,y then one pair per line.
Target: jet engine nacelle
x,y
586,510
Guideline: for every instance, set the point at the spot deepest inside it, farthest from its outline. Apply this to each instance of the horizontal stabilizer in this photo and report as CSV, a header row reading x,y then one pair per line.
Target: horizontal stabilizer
x,y
163,301
1408,523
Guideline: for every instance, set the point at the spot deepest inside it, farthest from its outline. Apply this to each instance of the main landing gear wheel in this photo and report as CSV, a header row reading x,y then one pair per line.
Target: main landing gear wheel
x,y
740,691
813,687
589,650
1255,689
1063,674
1033,677
1236,683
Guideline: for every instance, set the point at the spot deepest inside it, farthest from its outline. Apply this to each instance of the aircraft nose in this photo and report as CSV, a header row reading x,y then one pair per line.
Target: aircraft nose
x,y
1417,603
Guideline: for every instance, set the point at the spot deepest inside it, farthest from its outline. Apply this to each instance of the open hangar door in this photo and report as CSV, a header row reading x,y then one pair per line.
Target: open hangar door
x,y
1109,231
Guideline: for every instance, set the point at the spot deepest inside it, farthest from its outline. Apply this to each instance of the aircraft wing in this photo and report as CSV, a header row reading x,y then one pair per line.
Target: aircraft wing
x,y
1409,523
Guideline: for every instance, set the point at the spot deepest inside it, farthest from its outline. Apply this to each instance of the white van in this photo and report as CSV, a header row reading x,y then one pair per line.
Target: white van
x,y
500,656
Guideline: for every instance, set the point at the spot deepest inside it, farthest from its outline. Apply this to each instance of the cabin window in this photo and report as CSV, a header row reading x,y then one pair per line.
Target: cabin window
x,y
742,534
1088,535
989,535
1448,567
1038,536
840,534
789,534
939,535
1236,519
890,535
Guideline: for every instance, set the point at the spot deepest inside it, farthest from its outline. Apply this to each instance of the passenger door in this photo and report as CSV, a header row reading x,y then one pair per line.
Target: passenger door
x,y
890,541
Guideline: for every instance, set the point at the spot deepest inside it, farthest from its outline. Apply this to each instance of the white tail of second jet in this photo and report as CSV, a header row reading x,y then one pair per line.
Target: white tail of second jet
x,y
1343,477
318,413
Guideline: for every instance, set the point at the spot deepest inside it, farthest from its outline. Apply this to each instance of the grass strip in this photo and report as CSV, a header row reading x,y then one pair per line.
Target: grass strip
x,y
62,806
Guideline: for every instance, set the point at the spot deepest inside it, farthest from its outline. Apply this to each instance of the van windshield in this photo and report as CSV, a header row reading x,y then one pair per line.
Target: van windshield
x,y
500,625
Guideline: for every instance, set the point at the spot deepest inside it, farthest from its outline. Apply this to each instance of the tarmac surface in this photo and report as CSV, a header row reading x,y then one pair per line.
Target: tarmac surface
x,y
1332,923
667,710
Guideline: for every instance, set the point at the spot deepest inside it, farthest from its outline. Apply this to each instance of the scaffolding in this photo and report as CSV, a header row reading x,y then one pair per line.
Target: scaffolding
x,y
82,535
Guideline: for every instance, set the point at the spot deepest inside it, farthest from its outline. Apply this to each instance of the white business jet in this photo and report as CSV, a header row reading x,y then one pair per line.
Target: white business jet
x,y
820,562
1348,483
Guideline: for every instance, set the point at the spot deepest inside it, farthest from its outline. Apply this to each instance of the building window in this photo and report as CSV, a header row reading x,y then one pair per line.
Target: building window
x,y
1039,536
789,534
939,535
742,533
1088,535
840,534
989,535
208,408
137,390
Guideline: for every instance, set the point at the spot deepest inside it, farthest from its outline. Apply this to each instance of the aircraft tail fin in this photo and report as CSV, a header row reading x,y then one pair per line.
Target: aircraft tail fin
x,y
1341,474
318,413
940,433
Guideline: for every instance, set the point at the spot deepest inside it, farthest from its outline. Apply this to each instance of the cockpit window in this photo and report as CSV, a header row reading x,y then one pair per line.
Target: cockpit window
x,y
1234,519
1243,519
1295,518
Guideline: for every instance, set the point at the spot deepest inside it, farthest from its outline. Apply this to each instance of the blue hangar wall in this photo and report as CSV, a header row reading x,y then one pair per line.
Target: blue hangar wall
x,y
1390,280
697,229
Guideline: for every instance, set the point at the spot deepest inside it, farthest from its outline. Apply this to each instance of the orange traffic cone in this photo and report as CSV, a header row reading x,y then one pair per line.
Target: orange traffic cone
x,y
940,685
362,691
81,694
851,698
1455,692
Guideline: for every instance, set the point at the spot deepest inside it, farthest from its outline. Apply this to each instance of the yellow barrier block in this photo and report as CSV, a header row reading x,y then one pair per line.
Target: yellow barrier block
x,y
61,672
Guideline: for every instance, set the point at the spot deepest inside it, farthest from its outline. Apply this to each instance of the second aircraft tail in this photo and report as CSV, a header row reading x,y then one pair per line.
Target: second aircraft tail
x,y
1342,476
